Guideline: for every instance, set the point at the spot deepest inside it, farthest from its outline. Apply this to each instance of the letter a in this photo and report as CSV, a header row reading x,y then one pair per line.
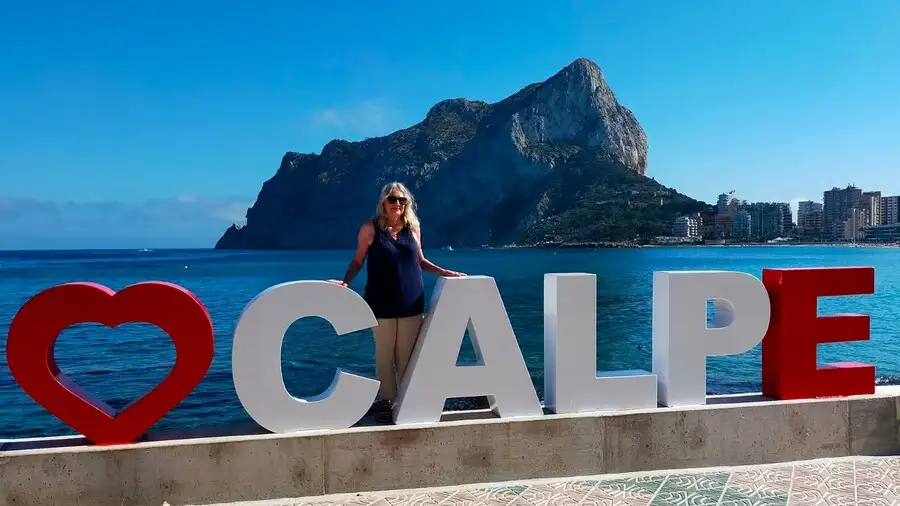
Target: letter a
x,y
256,358
432,377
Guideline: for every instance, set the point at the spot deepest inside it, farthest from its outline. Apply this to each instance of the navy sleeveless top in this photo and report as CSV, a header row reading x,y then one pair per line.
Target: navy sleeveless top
x,y
394,285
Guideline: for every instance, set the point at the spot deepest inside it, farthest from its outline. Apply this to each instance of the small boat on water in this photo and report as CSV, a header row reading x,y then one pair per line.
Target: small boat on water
x,y
447,248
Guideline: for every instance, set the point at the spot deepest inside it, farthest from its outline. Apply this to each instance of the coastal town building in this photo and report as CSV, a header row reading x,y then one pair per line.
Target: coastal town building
x,y
740,220
742,225
787,220
882,233
723,226
723,201
845,214
728,204
814,224
838,204
768,220
871,204
687,227
890,209
809,219
854,224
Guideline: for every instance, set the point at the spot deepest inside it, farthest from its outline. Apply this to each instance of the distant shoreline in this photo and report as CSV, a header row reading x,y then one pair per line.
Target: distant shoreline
x,y
633,245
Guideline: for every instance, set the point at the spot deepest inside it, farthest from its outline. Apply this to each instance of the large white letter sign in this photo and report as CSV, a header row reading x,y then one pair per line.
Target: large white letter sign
x,y
681,338
571,381
432,376
256,358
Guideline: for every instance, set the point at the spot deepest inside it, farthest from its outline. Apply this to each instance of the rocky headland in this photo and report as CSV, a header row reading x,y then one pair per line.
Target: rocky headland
x,y
559,162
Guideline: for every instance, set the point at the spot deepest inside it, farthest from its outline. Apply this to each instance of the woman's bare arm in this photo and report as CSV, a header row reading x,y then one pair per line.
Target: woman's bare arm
x,y
363,240
427,265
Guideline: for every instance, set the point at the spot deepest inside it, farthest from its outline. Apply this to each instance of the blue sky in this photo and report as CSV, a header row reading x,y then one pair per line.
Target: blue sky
x,y
195,102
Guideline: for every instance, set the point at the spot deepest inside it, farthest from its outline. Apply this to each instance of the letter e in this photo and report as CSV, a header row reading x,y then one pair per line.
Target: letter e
x,y
789,358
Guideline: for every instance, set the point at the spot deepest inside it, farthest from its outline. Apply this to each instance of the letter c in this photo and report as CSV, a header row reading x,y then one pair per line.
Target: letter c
x,y
256,358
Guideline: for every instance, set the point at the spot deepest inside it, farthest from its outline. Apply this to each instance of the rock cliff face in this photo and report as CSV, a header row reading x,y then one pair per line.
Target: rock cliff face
x,y
559,161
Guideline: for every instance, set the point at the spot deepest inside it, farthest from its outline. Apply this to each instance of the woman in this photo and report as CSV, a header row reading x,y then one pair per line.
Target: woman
x,y
395,291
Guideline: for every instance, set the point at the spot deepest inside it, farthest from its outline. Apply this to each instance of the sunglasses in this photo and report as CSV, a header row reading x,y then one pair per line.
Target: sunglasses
x,y
397,200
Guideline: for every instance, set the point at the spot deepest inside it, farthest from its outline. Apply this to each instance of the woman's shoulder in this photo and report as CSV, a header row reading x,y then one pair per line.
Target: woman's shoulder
x,y
368,228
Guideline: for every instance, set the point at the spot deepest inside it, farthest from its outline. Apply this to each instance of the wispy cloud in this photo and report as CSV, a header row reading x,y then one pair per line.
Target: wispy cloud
x,y
185,221
369,118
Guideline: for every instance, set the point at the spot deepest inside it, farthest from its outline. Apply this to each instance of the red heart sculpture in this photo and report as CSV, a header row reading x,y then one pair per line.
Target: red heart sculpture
x,y
35,328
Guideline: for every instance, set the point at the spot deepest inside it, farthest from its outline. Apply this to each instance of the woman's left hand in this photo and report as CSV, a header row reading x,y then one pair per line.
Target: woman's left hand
x,y
454,274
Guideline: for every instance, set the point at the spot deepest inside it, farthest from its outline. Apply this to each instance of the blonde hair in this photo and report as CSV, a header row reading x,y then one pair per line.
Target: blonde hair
x,y
409,213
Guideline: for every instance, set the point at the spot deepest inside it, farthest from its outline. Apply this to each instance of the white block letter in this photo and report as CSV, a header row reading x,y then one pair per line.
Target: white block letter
x,y
432,377
571,381
256,358
681,339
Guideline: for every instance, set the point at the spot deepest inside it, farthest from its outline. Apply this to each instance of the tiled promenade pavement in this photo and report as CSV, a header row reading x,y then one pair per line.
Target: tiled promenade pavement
x,y
855,480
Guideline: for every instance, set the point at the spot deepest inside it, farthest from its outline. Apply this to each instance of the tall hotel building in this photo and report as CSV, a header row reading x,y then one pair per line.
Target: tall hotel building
x,y
889,210
809,218
838,205
871,206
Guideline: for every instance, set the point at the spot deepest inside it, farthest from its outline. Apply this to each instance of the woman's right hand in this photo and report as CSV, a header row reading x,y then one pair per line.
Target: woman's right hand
x,y
337,282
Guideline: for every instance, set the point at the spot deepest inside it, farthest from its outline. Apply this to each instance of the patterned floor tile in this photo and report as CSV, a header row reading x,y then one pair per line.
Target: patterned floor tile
x,y
760,483
606,497
753,502
875,492
863,481
410,500
568,492
758,496
423,499
677,497
878,481
823,497
830,483
699,489
642,484
634,491
492,496
876,501
360,500
698,481
735,496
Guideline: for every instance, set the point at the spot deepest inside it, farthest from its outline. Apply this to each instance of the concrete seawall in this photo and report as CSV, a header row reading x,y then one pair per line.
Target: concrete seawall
x,y
731,430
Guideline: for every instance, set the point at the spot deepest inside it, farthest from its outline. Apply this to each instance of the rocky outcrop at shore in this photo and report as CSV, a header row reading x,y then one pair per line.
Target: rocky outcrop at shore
x,y
558,161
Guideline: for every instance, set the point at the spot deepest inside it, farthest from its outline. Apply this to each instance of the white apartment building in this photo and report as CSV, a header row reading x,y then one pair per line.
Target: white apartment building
x,y
686,226
871,204
854,224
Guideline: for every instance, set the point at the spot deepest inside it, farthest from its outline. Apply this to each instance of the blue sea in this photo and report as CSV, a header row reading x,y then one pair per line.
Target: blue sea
x,y
121,364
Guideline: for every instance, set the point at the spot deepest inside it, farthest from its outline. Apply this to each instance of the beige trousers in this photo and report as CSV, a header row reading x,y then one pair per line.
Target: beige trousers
x,y
394,342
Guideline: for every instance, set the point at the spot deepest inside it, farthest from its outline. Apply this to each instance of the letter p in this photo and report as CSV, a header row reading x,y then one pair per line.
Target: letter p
x,y
681,337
